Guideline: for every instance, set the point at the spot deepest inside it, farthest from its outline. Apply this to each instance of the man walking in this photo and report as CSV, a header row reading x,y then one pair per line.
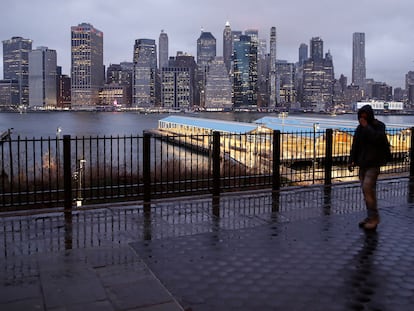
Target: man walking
x,y
370,150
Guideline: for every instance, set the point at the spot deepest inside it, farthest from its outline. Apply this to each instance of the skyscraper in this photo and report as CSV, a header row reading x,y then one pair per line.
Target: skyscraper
x,y
358,59
16,65
42,77
87,70
163,50
253,34
218,86
227,46
206,49
303,53
145,69
245,73
177,82
318,78
316,48
273,95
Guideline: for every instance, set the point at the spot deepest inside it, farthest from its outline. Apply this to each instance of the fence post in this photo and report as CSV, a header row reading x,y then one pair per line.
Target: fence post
x,y
412,154
216,163
276,161
67,173
328,156
146,164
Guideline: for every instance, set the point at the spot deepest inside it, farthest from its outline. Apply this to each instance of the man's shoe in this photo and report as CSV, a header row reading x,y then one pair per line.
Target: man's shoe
x,y
371,224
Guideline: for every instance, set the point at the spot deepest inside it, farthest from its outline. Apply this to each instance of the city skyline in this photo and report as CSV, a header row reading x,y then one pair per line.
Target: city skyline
x,y
387,27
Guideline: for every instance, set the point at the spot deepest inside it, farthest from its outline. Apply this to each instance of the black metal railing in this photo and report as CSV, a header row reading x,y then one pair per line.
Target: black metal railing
x,y
52,172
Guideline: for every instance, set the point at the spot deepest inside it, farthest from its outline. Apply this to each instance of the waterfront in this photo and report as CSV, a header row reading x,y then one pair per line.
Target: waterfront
x,y
45,124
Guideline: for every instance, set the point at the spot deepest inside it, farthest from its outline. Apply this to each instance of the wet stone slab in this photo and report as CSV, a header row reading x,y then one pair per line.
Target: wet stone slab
x,y
322,263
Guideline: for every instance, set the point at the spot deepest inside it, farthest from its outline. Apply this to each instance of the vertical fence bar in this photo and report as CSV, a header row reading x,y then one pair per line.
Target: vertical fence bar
x,y
216,163
276,161
328,156
412,155
67,173
146,162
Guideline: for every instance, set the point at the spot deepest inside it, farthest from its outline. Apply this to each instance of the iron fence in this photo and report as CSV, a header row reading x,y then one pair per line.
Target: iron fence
x,y
51,172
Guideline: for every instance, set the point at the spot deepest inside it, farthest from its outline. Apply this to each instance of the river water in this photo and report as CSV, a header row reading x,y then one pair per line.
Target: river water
x,y
45,124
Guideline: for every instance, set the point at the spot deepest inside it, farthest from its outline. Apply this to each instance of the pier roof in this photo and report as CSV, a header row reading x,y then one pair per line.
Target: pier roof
x,y
295,124
304,124
211,124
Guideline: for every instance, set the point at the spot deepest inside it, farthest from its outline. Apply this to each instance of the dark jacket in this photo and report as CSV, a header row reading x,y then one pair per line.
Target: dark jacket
x,y
370,147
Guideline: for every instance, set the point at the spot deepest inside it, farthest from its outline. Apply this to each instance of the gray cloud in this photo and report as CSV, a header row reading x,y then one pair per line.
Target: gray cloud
x,y
387,25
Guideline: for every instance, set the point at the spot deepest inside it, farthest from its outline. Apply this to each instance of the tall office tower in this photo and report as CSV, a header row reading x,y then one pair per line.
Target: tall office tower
x,y
87,68
316,48
245,73
206,49
409,79
252,33
9,93
145,69
358,59
42,77
303,53
218,86
227,46
286,82
318,77
127,74
178,82
113,74
63,96
163,50
273,95
16,65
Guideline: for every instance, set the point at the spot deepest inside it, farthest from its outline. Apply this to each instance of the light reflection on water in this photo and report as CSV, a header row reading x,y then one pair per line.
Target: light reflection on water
x,y
45,124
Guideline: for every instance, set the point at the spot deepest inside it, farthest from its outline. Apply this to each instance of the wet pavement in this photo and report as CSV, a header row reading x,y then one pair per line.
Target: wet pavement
x,y
301,250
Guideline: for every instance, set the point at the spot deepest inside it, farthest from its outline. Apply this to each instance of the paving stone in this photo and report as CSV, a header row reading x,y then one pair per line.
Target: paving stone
x,y
308,254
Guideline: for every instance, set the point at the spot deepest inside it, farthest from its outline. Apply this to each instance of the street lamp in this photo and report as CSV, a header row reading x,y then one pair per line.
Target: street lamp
x,y
315,128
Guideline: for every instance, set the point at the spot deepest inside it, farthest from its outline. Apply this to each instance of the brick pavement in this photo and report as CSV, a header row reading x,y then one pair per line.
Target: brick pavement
x,y
300,251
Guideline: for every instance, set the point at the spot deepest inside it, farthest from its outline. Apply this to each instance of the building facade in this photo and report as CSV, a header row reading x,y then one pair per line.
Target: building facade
x,y
206,49
87,68
303,53
286,82
178,85
43,78
358,59
317,78
145,71
218,86
16,65
64,91
163,50
245,73
272,78
9,94
227,46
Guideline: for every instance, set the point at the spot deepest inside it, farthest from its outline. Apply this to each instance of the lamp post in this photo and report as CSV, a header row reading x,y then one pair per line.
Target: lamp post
x,y
315,128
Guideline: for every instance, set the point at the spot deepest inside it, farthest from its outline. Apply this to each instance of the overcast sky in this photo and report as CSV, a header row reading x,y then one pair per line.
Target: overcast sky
x,y
388,26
